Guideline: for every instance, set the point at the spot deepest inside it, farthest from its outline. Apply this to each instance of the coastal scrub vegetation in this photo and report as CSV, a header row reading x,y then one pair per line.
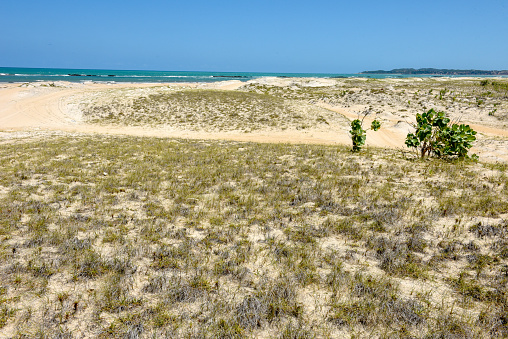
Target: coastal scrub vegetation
x,y
133,237
435,135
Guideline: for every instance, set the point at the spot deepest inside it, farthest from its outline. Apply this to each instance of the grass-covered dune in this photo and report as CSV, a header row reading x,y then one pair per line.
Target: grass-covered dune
x,y
471,99
142,237
204,110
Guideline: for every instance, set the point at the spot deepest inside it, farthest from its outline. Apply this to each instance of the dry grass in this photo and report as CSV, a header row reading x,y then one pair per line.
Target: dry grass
x,y
205,110
480,100
144,237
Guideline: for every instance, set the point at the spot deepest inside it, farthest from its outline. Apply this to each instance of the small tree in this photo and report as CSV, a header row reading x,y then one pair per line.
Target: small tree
x,y
358,134
435,135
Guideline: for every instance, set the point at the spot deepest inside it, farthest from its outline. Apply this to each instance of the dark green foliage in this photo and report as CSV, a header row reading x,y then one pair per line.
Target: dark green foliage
x,y
358,134
375,125
435,136
437,71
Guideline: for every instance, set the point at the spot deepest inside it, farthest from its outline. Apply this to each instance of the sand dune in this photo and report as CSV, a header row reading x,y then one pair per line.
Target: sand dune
x,y
48,108
55,107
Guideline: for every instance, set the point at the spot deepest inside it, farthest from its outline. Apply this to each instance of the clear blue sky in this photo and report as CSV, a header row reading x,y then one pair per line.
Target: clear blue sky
x,y
254,36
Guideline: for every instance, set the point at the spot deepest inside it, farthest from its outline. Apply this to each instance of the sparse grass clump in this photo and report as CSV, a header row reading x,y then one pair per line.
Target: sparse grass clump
x,y
145,237
376,302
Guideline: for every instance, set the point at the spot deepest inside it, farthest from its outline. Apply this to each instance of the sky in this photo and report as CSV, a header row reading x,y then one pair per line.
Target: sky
x,y
318,36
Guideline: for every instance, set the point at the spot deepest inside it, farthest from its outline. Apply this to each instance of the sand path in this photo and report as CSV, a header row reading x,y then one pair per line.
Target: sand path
x,y
46,108
22,109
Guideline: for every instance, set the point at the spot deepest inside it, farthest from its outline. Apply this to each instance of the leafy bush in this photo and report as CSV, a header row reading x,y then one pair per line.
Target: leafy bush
x,y
435,135
358,134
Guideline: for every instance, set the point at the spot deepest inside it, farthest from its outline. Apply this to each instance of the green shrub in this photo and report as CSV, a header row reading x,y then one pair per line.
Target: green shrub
x,y
358,134
435,136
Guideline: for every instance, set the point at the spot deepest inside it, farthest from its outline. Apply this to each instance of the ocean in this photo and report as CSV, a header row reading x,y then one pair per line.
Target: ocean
x,y
21,75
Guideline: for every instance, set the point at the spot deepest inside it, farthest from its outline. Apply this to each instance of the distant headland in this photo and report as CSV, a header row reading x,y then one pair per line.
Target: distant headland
x,y
435,71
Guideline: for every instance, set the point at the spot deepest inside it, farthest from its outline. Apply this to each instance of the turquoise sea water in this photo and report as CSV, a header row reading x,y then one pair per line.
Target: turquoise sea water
x,y
11,74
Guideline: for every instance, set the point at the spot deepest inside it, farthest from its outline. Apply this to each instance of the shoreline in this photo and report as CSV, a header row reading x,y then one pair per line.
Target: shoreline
x,y
34,75
461,77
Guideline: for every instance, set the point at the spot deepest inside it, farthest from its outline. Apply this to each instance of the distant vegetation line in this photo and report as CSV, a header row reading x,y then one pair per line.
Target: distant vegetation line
x,y
437,71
